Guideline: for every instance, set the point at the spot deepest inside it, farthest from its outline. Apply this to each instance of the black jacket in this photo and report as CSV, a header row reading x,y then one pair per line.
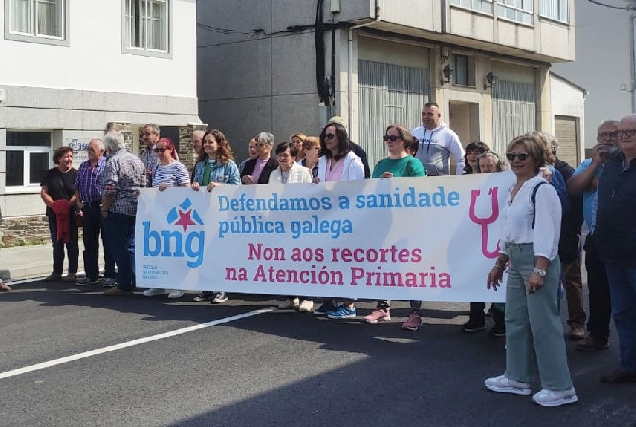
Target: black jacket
x,y
615,232
270,166
571,221
359,151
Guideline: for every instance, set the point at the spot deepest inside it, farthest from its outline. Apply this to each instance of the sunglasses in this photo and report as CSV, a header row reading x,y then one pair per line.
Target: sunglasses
x,y
160,150
391,138
521,156
329,136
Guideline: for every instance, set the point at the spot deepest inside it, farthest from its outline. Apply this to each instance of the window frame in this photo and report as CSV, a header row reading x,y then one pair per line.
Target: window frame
x,y
144,51
470,70
501,4
27,186
34,37
564,21
493,4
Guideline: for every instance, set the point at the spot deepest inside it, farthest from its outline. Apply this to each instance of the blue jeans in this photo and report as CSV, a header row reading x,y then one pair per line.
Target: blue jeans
x,y
72,246
622,284
120,230
93,226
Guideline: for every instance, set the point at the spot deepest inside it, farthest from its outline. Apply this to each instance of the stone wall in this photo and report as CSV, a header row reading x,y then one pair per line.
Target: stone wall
x,y
187,156
20,231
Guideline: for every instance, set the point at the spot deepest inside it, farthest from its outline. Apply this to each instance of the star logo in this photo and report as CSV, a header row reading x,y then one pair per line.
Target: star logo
x,y
184,215
185,220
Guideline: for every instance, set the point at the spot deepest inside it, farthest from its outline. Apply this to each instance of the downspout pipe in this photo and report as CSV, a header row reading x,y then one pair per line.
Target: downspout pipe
x,y
350,62
632,56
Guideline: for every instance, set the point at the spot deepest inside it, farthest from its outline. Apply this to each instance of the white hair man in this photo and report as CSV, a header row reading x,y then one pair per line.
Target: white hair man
x,y
615,238
123,175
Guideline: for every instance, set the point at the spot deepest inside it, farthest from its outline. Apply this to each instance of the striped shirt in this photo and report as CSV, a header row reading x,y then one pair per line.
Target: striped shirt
x,y
88,181
174,174
123,175
150,160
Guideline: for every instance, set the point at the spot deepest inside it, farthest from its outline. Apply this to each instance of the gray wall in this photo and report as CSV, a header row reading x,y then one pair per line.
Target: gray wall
x,y
276,90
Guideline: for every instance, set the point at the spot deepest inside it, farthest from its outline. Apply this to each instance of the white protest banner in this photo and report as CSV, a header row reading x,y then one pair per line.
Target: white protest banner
x,y
431,239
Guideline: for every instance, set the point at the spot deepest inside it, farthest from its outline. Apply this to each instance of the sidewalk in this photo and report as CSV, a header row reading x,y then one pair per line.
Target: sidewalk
x,y
25,262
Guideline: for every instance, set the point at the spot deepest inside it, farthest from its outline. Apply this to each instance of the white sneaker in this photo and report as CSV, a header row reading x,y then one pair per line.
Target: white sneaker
x,y
503,384
555,397
175,293
220,297
153,292
289,303
306,306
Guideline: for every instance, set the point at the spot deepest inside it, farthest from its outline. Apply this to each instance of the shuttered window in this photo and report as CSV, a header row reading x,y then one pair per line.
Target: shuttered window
x,y
566,132
513,112
388,94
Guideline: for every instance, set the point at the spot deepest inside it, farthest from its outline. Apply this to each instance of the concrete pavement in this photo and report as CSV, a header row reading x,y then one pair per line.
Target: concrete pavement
x,y
25,262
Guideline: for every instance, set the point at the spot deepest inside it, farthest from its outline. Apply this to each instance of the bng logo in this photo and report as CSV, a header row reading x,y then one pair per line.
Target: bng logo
x,y
187,243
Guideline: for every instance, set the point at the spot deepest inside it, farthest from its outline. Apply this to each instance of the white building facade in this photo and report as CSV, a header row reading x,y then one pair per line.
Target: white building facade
x,y
69,68
376,62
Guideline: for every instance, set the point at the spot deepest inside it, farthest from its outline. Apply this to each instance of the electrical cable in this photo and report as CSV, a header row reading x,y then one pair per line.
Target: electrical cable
x,y
609,6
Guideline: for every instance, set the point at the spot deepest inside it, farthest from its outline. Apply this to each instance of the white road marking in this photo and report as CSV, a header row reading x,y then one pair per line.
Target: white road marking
x,y
132,343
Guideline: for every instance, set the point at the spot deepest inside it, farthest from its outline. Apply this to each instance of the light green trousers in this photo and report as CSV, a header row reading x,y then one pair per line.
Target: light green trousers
x,y
534,333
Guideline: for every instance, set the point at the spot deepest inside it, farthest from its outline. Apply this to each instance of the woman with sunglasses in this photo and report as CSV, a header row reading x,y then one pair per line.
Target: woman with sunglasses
x,y
169,172
337,163
529,245
399,164
473,150
215,166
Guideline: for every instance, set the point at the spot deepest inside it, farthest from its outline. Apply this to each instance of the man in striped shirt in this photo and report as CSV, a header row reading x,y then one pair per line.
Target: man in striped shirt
x,y
148,156
88,193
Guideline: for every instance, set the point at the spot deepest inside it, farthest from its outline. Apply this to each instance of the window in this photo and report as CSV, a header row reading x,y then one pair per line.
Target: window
x,y
478,5
463,70
41,20
28,158
516,10
146,27
554,9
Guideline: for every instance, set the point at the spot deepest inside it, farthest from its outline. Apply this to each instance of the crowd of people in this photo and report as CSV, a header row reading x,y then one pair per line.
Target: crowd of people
x,y
542,222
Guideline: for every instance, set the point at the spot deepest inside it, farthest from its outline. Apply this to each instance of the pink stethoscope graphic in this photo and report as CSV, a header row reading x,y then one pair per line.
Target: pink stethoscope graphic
x,y
485,222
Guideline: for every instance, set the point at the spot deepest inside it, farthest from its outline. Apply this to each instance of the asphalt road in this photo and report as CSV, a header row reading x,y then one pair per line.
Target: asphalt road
x,y
274,368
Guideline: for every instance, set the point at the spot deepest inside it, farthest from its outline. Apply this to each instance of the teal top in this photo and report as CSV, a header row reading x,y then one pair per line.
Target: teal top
x,y
404,167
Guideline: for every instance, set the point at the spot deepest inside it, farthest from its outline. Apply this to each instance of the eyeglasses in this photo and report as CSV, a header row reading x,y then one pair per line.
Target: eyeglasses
x,y
521,156
392,138
477,151
608,135
626,132
329,136
160,150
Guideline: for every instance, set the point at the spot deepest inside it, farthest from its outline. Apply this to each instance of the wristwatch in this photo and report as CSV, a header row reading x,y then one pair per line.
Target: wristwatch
x,y
539,272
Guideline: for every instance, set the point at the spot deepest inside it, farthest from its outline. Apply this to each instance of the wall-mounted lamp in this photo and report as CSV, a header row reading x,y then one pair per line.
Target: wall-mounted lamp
x,y
448,72
445,53
491,79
